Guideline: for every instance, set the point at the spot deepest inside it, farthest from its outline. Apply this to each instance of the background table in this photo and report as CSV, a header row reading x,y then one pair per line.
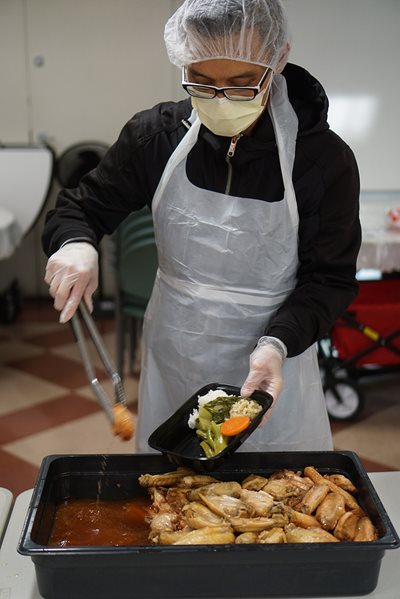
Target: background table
x,y
10,233
6,498
17,575
380,247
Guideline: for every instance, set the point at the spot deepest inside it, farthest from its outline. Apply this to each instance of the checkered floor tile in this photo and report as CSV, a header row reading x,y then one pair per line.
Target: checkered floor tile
x,y
47,407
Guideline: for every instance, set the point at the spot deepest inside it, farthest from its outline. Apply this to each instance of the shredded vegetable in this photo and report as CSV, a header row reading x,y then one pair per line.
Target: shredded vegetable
x,y
219,417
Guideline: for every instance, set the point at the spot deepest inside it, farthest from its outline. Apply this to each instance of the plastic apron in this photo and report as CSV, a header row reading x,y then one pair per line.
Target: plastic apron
x,y
226,264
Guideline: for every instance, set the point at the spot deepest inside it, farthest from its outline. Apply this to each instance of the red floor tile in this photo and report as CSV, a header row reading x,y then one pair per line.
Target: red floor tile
x,y
62,336
56,369
16,475
40,310
44,416
371,466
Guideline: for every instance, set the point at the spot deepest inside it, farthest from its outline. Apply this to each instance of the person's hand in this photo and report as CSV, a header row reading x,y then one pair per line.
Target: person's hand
x,y
265,371
72,274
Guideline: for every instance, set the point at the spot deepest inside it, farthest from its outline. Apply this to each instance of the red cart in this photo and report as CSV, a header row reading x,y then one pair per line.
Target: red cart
x,y
364,341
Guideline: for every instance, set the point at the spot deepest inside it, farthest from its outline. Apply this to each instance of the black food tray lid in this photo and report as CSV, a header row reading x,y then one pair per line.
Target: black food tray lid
x,y
180,443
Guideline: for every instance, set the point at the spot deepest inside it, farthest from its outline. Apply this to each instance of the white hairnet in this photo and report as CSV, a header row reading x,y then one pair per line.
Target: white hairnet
x,y
249,30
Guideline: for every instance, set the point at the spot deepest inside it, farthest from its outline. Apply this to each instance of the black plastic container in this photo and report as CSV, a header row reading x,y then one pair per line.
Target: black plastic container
x,y
180,443
166,572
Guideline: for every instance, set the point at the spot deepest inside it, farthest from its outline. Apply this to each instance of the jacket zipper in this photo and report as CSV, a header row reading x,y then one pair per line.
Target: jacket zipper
x,y
230,154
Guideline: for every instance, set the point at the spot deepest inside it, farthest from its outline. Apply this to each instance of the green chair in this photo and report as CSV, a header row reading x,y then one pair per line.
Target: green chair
x,y
135,269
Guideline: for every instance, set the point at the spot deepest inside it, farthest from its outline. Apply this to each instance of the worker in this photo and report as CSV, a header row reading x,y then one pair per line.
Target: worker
x,y
255,208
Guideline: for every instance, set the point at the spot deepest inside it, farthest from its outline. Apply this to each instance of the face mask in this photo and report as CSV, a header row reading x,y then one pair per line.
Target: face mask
x,y
226,117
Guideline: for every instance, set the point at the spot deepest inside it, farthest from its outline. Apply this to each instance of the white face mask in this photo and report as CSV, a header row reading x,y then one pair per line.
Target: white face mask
x,y
226,117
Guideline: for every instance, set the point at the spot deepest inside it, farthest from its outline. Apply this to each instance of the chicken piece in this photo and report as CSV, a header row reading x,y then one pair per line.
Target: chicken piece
x,y
233,489
318,479
346,528
279,508
161,523
275,535
204,536
312,498
293,502
253,482
159,502
164,521
259,502
330,510
168,537
225,505
176,497
282,488
168,479
246,538
196,480
365,530
303,520
258,524
284,473
197,515
341,481
297,534
302,482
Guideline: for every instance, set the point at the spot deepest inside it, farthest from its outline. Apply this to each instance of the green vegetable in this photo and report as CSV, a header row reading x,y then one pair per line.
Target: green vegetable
x,y
213,440
204,419
211,416
220,407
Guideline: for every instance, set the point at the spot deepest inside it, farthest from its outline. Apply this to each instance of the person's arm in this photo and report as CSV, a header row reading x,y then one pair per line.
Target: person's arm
x,y
124,181
326,282
104,197
73,230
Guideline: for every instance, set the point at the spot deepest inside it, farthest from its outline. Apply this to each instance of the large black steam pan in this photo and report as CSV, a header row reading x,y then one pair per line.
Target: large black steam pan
x,y
180,443
197,571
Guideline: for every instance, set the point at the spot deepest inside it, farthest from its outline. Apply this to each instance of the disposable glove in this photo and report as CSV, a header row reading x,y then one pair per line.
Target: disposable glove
x,y
266,370
72,274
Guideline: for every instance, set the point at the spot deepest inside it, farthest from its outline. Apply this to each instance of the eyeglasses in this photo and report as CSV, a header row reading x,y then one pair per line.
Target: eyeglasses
x,y
237,94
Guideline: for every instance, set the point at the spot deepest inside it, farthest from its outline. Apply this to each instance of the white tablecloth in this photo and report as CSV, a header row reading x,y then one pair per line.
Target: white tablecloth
x,y
10,234
380,248
6,498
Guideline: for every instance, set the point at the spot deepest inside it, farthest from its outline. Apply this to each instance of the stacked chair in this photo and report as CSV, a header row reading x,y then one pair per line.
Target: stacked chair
x,y
135,269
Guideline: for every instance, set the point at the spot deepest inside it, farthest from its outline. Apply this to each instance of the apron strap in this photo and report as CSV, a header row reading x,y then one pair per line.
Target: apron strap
x,y
189,122
179,154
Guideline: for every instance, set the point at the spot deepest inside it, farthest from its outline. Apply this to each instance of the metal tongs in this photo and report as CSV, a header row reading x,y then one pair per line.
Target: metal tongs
x,y
116,410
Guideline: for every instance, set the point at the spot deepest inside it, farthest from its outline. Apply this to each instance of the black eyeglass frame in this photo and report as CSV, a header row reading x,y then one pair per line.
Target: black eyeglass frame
x,y
255,89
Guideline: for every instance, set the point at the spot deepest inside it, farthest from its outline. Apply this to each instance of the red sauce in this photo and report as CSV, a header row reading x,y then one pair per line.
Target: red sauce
x,y
88,522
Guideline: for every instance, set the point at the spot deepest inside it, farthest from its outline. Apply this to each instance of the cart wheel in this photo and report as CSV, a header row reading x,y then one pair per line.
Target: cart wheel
x,y
344,401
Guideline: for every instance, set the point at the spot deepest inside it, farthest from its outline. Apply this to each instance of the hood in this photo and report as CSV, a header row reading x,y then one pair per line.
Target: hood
x,y
308,98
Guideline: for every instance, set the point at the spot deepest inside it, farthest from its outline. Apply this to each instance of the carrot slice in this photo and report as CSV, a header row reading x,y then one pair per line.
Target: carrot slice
x,y
234,426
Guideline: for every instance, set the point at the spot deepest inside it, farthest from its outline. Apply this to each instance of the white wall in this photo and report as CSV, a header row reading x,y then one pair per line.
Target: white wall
x,y
353,48
76,70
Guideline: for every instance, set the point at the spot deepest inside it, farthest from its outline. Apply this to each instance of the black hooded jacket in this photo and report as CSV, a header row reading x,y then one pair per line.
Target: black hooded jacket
x,y
325,178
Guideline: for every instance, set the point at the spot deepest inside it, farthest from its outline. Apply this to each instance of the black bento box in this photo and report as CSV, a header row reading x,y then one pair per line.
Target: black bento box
x,y
163,572
180,443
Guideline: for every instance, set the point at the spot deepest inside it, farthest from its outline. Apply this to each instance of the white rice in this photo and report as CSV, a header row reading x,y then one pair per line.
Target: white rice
x,y
202,401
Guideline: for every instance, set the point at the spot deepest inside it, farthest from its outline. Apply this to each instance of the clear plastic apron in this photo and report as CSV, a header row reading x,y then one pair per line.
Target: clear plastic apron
x,y
226,264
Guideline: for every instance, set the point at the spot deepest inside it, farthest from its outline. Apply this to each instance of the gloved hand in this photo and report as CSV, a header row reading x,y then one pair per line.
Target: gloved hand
x,y
266,370
72,273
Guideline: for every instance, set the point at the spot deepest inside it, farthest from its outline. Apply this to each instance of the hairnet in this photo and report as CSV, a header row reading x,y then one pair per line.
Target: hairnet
x,y
249,30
